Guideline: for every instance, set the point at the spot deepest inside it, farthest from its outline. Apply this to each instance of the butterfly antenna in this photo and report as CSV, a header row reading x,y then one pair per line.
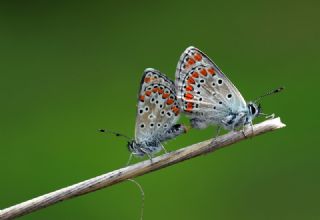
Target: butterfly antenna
x,y
142,197
115,133
269,93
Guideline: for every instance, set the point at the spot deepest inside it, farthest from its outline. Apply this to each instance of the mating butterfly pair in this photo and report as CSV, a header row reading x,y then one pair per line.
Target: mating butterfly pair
x,y
201,91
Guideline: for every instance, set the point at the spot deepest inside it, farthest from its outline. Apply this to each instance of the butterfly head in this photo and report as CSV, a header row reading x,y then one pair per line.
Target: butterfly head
x,y
135,148
254,110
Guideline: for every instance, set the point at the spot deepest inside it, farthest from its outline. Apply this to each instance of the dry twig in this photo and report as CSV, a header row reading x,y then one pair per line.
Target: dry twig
x,y
137,169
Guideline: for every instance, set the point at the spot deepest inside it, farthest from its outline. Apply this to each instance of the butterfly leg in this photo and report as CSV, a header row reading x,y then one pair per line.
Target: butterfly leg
x,y
164,149
267,116
243,133
129,160
252,131
216,135
243,130
270,116
218,131
147,153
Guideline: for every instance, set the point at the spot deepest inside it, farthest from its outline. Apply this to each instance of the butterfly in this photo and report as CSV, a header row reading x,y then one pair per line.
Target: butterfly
x,y
157,113
207,96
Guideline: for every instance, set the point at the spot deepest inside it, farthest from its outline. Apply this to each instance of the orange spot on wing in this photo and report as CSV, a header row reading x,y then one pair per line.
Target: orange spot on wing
x,y
211,71
165,95
191,61
176,110
155,90
141,98
160,91
147,79
198,57
191,80
148,93
203,72
195,74
188,96
189,107
189,88
169,101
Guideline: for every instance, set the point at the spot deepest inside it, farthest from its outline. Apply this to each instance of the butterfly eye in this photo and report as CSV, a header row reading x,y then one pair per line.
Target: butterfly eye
x,y
252,109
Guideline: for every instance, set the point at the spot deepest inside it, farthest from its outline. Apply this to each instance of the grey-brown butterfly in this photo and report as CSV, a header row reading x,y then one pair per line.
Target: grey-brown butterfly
x,y
157,114
208,96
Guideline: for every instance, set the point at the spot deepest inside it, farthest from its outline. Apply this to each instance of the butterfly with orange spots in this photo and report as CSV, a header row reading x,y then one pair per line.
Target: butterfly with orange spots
x,y
207,96
157,114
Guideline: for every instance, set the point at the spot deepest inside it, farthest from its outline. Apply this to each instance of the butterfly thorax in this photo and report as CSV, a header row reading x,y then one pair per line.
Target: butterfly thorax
x,y
238,119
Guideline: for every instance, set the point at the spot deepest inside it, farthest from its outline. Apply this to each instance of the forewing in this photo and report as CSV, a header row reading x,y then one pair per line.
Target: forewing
x,y
158,108
203,90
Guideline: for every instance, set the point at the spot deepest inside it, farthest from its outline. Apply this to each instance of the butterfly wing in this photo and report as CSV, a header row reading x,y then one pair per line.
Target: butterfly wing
x,y
203,90
158,108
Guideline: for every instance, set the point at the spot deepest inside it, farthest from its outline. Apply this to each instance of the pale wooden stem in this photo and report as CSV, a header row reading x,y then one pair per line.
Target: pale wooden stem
x,y
137,169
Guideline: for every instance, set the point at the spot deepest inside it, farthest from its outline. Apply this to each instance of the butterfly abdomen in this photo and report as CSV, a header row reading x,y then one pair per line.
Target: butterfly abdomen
x,y
173,132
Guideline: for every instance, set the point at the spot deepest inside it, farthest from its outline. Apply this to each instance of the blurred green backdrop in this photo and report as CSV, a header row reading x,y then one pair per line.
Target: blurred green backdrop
x,y
70,68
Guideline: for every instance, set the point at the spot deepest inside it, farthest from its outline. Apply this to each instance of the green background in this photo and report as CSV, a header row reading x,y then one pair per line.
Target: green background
x,y
70,68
